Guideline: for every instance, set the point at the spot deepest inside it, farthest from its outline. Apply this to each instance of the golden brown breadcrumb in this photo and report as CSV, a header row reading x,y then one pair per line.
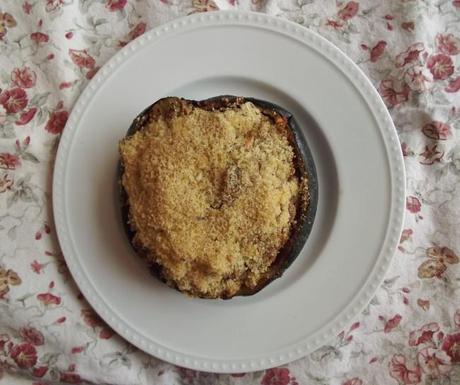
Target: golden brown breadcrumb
x,y
212,196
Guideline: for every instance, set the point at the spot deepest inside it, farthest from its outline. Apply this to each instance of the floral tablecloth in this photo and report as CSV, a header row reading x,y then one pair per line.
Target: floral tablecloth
x,y
410,332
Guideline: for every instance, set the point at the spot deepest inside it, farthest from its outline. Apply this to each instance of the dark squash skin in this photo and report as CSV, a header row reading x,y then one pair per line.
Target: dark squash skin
x,y
304,168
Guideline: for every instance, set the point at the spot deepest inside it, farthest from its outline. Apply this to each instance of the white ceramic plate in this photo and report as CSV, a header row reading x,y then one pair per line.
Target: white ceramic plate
x,y
361,191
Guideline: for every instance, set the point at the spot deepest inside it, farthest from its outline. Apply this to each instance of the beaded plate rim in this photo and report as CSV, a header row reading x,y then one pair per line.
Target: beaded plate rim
x,y
388,132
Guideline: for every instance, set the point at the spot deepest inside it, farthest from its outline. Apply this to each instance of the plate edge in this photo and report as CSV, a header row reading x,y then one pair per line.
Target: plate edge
x,y
394,154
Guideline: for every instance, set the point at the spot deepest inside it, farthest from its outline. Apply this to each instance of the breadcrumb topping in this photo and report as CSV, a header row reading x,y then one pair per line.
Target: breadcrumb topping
x,y
212,196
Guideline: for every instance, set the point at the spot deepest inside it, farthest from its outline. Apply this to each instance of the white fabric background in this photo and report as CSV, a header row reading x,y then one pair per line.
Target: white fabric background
x,y
409,334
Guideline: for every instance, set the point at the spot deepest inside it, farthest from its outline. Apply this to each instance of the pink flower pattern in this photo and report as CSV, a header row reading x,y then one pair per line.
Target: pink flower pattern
x,y
410,55
14,100
404,372
423,335
24,355
39,37
32,336
437,130
413,204
409,333
23,77
451,346
116,5
392,323
441,66
434,362
448,44
349,10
